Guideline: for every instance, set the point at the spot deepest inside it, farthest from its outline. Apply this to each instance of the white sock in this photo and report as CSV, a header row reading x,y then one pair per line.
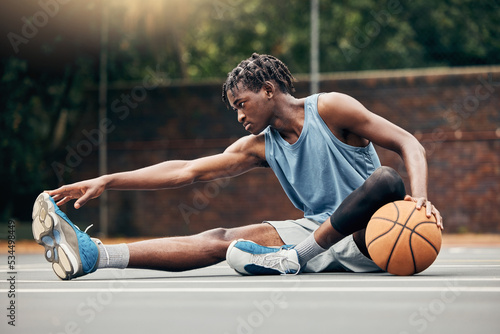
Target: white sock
x,y
308,249
112,256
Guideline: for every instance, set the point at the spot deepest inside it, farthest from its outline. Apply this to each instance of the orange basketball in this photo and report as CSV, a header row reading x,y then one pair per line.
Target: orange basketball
x,y
401,239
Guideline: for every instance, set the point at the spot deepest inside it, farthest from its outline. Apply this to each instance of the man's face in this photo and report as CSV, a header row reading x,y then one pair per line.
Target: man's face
x,y
252,108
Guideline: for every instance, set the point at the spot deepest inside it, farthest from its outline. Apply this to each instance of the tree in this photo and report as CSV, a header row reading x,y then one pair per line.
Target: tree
x,y
49,55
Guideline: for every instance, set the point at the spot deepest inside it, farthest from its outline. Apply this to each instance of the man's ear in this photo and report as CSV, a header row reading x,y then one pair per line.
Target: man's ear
x,y
269,89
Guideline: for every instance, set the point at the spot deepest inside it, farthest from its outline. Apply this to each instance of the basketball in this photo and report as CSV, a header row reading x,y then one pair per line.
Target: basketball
x,y
401,239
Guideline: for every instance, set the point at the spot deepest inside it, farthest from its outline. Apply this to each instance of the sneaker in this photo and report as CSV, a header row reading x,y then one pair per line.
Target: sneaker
x,y
72,252
248,258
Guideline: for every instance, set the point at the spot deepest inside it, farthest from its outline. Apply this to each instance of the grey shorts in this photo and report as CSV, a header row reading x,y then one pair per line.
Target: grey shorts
x,y
343,256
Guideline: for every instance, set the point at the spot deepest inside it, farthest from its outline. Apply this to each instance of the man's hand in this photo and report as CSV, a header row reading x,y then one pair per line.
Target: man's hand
x,y
81,191
429,208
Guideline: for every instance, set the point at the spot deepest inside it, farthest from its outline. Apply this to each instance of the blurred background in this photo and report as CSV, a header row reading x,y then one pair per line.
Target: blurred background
x,y
92,87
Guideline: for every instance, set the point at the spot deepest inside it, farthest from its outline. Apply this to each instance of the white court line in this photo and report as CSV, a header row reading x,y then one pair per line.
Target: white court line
x,y
47,267
238,280
26,270
263,289
466,265
470,260
31,265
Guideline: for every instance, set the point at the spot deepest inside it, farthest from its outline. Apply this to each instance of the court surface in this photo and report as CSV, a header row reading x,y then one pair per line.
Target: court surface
x,y
459,293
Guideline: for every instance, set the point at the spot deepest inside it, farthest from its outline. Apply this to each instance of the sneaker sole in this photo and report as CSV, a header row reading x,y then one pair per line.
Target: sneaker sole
x,y
229,249
47,232
228,253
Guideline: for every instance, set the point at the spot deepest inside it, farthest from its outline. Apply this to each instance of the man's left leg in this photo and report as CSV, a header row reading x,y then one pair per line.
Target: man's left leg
x,y
383,186
352,216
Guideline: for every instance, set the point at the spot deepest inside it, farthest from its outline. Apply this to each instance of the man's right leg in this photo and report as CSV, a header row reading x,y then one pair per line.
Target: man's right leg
x,y
73,253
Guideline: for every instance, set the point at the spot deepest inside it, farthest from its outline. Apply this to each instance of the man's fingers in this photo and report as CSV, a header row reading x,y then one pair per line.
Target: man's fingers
x,y
420,203
66,193
439,219
431,210
57,197
59,191
62,201
53,193
428,209
82,200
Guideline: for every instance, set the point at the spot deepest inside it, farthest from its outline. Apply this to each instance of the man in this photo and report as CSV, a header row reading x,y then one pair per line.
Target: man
x,y
319,147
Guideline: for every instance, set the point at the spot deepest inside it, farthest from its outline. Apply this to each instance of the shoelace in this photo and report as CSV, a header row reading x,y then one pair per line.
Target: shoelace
x,y
99,242
276,261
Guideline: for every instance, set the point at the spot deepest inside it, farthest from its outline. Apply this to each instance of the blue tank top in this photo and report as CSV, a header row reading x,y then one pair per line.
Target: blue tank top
x,y
318,171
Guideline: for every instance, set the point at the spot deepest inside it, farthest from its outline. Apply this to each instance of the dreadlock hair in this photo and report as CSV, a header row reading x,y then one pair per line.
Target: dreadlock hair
x,y
254,72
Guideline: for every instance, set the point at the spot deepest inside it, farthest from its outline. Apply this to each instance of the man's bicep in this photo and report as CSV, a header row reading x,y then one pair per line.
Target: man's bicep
x,y
382,132
242,156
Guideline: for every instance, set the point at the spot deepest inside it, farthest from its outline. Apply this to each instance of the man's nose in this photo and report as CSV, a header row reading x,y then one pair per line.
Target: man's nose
x,y
241,116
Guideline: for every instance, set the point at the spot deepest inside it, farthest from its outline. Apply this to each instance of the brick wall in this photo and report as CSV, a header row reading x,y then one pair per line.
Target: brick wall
x,y
454,113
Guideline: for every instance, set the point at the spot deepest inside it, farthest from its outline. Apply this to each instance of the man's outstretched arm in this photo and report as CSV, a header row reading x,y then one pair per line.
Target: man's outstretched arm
x,y
240,157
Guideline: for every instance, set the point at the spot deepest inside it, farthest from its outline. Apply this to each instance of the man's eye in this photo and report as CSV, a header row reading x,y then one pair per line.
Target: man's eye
x,y
241,105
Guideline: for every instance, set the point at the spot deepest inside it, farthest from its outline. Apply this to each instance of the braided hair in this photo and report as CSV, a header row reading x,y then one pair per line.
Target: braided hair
x,y
254,72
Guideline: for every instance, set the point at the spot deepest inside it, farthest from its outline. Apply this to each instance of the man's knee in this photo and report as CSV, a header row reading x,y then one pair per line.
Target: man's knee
x,y
387,182
263,234
217,234
215,242
383,186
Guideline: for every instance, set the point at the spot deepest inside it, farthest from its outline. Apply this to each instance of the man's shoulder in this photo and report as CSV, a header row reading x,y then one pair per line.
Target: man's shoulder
x,y
250,141
336,108
253,145
332,99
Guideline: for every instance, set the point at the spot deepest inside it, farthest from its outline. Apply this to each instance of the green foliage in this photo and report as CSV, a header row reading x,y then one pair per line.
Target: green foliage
x,y
43,83
208,38
20,125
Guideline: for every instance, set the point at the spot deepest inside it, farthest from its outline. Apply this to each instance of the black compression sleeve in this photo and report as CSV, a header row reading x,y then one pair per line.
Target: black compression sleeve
x,y
383,186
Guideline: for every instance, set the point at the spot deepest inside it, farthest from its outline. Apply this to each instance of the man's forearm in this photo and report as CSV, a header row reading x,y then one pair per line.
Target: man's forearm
x,y
168,174
416,166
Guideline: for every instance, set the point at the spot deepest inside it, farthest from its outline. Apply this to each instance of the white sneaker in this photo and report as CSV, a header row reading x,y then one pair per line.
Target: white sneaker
x,y
248,258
